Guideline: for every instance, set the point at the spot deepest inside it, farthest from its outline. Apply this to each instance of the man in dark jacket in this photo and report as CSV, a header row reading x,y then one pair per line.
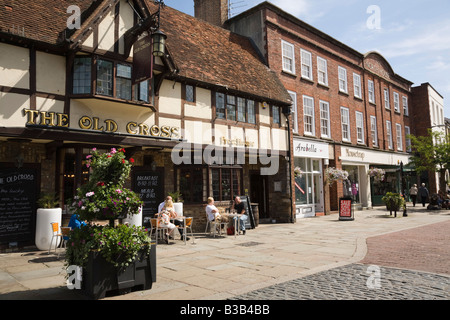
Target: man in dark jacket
x,y
423,193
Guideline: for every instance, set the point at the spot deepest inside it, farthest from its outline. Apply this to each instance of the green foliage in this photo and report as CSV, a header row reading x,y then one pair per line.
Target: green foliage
x,y
176,196
431,153
393,201
118,245
48,201
105,198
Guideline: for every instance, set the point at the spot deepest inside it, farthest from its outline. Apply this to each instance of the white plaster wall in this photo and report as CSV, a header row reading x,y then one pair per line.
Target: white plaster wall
x,y
14,66
50,73
11,109
170,98
106,32
202,108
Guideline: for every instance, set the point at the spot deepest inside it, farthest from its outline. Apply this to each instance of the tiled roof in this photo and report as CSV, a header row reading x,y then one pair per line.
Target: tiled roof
x,y
38,20
209,54
202,52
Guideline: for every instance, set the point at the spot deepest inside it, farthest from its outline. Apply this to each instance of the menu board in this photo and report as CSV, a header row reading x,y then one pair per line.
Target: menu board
x,y
18,190
149,185
250,223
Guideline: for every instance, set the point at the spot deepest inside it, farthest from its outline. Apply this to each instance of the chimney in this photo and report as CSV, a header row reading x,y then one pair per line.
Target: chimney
x,y
212,11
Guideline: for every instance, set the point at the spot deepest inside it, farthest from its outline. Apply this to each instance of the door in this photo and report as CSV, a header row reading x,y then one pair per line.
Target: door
x,y
258,193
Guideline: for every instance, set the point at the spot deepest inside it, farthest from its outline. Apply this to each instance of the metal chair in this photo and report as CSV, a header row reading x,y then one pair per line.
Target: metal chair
x,y
65,231
155,225
214,224
56,235
188,225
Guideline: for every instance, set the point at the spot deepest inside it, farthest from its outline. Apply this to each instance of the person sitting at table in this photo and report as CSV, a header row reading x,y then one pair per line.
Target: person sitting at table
x,y
239,206
164,221
168,206
213,213
163,204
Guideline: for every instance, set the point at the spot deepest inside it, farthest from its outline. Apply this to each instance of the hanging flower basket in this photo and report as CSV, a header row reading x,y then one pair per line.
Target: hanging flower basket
x,y
377,174
298,172
332,175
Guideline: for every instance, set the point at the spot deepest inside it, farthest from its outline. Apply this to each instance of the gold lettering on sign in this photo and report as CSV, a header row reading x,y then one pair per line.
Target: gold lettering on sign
x,y
43,118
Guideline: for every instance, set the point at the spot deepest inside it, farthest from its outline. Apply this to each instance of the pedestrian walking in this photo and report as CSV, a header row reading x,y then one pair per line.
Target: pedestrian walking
x,y
423,193
413,194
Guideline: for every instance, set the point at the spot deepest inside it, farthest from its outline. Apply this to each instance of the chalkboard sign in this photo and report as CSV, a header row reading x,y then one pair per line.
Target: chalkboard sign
x,y
18,196
250,223
149,185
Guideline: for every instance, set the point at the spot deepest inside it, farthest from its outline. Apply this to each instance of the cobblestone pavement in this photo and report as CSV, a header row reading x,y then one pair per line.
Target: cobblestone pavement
x,y
358,282
412,264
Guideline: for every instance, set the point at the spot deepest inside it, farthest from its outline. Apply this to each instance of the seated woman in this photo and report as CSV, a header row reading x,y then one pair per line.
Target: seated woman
x,y
168,206
164,221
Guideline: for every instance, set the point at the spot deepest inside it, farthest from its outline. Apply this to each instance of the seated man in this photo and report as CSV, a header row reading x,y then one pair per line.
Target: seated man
x,y
213,212
239,206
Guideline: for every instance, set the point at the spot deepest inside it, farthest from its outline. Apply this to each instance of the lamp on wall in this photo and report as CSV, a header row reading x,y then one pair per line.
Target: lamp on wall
x,y
159,43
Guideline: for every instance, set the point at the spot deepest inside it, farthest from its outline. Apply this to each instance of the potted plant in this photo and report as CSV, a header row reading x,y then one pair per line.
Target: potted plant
x,y
393,202
47,213
114,256
333,174
377,174
298,172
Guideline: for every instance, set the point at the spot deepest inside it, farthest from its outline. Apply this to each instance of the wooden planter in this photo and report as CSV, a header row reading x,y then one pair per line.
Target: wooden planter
x,y
100,276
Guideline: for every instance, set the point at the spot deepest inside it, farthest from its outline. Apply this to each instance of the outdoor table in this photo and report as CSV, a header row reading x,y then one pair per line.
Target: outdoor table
x,y
184,225
237,222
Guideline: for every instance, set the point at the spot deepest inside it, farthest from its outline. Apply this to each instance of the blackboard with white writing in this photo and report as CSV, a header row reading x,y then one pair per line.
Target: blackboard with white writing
x,y
18,190
149,185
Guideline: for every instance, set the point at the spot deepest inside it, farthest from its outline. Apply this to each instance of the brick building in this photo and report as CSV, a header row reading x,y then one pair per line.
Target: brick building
x,y
351,110
197,124
428,113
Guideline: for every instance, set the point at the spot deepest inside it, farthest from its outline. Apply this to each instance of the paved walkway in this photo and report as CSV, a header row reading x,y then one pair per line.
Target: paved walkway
x,y
270,255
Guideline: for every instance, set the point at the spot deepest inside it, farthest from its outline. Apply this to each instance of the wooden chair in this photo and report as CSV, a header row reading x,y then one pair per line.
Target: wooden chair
x,y
214,225
159,230
188,221
56,235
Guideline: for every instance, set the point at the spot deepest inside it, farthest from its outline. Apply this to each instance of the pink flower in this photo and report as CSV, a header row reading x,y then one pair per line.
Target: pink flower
x,y
113,150
118,191
94,149
89,194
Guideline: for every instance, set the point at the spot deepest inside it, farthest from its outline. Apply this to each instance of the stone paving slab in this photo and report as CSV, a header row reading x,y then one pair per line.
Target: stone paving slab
x,y
221,268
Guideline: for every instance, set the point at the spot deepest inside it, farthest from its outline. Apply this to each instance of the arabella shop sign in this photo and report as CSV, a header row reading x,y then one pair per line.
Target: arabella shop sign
x,y
309,149
95,124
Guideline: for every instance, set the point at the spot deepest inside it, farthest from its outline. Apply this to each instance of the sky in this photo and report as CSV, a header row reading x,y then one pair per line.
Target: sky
x,y
413,35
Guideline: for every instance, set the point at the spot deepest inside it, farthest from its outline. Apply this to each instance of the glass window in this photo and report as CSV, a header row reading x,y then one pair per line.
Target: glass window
x,y
226,183
325,119
373,130
399,136
308,113
408,139
371,91
306,64
387,104
359,127
241,109
231,108
251,111
104,78
142,91
123,82
322,72
276,114
345,123
190,93
288,56
191,184
357,85
405,106
82,75
396,102
294,110
342,79
389,134
220,106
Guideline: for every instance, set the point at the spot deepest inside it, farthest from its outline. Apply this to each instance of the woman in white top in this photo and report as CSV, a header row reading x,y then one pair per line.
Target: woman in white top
x,y
164,217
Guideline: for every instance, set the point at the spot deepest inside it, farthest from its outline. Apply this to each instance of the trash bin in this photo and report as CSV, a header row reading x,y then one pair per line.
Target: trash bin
x,y
346,211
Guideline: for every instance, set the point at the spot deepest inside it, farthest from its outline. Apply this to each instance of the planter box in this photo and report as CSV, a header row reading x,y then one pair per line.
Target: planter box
x,y
100,277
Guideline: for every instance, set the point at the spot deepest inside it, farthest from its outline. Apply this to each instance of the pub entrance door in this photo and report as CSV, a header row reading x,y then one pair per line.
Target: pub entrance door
x,y
259,193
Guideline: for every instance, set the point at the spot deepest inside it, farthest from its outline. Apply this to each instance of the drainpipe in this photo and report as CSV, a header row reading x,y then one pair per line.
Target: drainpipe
x,y
287,111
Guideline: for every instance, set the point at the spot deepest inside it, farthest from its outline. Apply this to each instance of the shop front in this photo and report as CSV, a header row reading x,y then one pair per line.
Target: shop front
x,y
367,191
310,157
